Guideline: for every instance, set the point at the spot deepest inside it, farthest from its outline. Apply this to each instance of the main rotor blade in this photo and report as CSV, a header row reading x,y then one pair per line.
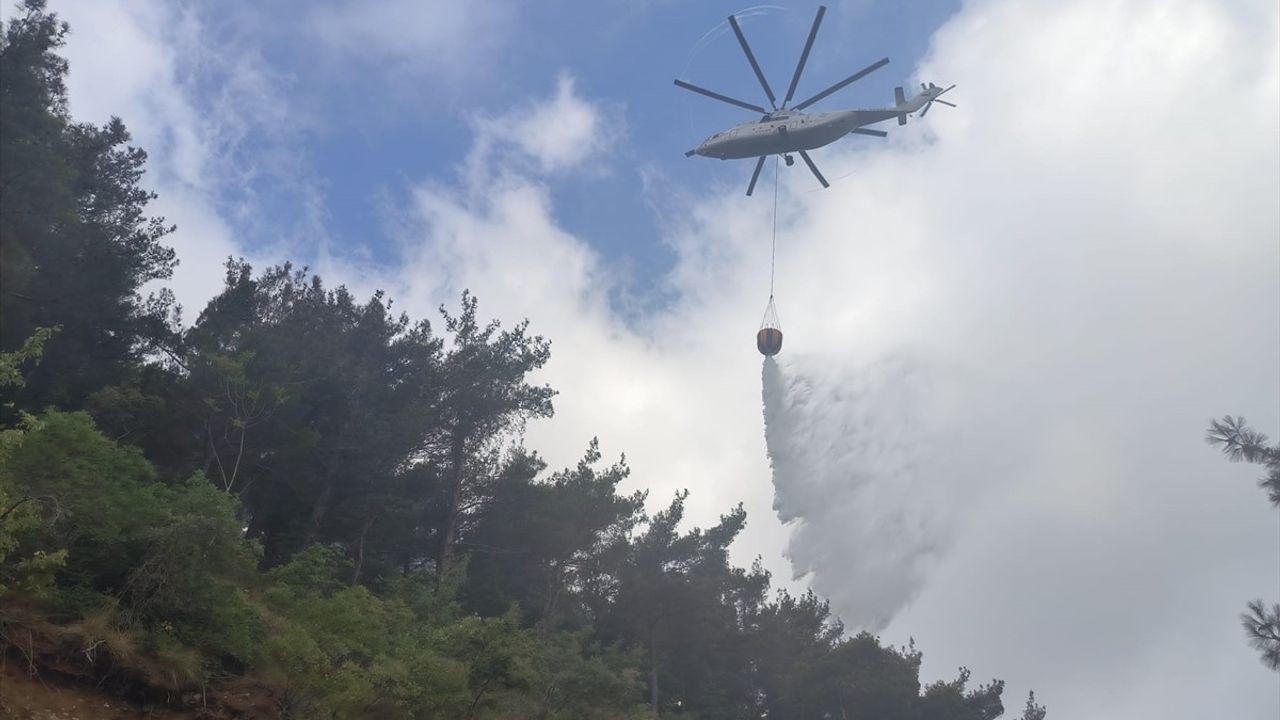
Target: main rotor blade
x,y
925,111
813,168
804,56
944,102
721,98
742,40
755,176
869,131
856,76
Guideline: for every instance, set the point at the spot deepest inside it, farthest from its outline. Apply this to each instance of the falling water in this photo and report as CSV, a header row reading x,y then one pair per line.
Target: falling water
x,y
850,452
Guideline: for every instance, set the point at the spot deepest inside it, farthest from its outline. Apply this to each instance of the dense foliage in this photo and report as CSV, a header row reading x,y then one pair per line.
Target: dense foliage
x,y
305,505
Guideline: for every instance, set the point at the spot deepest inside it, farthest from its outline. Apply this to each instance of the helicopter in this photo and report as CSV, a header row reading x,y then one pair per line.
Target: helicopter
x,y
783,131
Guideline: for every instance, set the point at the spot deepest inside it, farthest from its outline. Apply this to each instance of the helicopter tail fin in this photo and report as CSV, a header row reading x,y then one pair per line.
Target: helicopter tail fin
x,y
900,98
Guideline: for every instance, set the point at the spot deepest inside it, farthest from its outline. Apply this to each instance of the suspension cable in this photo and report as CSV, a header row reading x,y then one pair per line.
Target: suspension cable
x,y
773,245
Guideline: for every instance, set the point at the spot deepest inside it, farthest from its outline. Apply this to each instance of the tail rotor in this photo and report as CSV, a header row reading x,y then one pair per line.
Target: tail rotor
x,y
935,92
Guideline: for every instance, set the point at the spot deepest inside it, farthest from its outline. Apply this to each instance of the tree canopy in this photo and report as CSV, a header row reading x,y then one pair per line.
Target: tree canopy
x,y
306,504
1241,443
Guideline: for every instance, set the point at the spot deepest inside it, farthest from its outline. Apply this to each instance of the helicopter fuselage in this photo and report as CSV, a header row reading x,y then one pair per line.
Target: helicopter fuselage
x,y
783,129
788,131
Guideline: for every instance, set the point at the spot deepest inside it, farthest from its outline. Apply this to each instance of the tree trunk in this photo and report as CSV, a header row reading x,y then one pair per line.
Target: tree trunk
x,y
452,498
653,675
319,510
213,450
15,506
554,583
359,559
235,469
257,524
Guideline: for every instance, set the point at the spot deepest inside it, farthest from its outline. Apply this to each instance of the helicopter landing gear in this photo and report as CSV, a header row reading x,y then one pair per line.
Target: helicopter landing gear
x,y
789,160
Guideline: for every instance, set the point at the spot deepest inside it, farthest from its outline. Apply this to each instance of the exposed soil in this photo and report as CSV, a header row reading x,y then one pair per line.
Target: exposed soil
x,y
48,696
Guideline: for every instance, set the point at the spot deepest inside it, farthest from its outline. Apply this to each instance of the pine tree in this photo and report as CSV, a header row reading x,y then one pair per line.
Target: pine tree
x,y
1241,443
76,245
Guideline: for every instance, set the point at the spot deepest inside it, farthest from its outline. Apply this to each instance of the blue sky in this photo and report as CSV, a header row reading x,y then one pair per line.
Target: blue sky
x,y
1007,324
366,125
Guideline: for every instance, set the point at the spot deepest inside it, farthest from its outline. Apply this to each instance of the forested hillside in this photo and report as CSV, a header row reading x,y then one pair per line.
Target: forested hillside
x,y
305,504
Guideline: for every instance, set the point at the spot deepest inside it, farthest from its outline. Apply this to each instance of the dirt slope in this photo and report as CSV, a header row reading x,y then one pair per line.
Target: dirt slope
x,y
48,697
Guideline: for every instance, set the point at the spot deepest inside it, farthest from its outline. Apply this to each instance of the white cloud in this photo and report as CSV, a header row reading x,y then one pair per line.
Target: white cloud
x,y
448,41
1068,251
1082,264
556,136
139,83
497,236
141,61
1082,259
560,134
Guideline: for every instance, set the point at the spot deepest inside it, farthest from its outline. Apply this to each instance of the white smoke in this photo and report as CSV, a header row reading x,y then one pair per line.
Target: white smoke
x,y
855,470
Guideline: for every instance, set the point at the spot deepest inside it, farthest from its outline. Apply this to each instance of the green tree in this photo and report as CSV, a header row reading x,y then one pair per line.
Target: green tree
x,y
485,395
98,500
1032,711
31,351
535,539
194,577
234,412
316,498
1241,443
952,700
675,596
805,667
863,678
409,652
314,407
76,245
165,565
20,511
